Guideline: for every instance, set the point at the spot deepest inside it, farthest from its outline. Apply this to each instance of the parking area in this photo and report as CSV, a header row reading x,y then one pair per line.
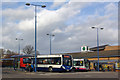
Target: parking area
x,y
10,73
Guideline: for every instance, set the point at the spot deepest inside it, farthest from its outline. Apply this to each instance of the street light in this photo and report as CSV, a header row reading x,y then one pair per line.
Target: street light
x,y
97,42
50,35
43,6
19,39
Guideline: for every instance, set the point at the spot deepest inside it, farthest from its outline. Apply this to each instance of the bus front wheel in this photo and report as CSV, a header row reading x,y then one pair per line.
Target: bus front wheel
x,y
50,69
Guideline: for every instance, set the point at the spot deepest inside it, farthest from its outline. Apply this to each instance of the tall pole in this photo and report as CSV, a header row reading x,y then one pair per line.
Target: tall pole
x,y
19,44
50,35
98,47
19,48
18,51
97,43
50,44
43,6
35,39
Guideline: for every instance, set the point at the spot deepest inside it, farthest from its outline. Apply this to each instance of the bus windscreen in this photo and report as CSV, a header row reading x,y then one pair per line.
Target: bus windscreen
x,y
26,60
78,63
67,61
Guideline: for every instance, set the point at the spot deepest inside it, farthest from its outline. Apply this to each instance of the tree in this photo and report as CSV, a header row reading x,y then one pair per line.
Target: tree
x,y
37,53
2,52
9,52
6,53
28,49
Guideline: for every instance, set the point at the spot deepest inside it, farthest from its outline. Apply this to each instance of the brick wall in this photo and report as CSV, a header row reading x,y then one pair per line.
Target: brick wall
x,y
112,48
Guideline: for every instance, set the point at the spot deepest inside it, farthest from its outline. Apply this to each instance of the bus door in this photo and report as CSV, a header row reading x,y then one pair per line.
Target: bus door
x,y
87,64
67,62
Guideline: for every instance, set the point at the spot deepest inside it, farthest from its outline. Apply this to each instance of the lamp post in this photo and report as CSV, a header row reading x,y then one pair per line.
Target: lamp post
x,y
50,35
19,39
43,6
97,42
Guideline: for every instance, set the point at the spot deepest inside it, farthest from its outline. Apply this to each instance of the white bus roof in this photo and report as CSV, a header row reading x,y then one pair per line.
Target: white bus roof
x,y
78,59
59,55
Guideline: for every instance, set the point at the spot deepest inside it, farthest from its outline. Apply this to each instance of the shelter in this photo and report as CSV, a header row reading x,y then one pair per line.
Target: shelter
x,y
16,62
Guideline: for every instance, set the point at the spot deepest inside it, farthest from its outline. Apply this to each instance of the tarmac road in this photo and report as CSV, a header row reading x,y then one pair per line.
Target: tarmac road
x,y
10,73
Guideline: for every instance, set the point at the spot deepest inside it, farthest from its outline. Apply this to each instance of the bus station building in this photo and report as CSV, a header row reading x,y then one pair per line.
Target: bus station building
x,y
109,57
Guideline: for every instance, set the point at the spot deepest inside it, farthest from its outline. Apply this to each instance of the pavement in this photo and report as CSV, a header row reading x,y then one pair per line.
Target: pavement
x,y
10,73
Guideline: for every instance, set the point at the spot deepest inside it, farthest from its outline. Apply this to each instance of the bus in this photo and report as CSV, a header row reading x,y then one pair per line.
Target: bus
x,y
49,62
24,61
81,65
54,62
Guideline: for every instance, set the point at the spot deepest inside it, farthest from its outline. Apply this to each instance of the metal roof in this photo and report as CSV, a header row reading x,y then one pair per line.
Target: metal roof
x,y
100,48
15,56
8,59
112,53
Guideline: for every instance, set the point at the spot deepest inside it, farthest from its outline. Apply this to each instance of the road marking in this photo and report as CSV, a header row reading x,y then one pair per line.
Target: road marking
x,y
87,76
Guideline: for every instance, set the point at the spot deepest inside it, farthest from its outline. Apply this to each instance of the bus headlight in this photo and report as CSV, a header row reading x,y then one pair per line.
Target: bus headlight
x,y
63,67
71,68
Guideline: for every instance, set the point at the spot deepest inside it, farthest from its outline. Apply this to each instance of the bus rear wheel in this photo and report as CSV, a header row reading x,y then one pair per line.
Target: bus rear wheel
x,y
74,69
30,69
50,69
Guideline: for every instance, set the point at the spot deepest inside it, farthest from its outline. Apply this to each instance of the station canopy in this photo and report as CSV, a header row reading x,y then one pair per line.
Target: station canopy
x,y
16,56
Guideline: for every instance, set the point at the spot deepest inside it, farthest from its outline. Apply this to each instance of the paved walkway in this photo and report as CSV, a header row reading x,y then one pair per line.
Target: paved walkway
x,y
10,73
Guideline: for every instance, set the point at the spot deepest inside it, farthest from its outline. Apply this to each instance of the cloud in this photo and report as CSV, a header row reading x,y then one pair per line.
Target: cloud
x,y
57,4
1,36
26,24
110,9
62,1
68,37
17,14
57,31
48,18
82,33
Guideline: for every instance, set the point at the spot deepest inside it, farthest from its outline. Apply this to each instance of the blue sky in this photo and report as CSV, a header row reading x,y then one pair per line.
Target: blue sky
x,y
88,10
69,21
15,5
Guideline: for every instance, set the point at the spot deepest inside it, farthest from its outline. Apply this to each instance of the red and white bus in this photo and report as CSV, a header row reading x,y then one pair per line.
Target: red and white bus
x,y
81,65
24,61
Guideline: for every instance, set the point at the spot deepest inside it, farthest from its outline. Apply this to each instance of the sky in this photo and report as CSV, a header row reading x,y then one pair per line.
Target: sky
x,y
69,21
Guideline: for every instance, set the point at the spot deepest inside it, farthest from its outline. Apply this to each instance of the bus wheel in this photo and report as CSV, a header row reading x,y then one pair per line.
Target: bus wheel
x,y
74,69
30,69
50,69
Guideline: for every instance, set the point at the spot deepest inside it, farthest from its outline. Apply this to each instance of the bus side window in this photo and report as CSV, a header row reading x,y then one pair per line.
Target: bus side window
x,y
74,63
52,61
48,61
